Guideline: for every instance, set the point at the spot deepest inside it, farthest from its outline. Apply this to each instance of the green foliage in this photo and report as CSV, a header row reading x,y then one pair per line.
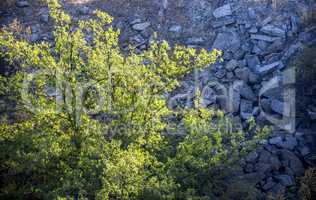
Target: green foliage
x,y
100,135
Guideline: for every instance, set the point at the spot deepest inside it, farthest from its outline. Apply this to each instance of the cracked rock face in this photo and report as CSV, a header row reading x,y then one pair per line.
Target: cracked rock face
x,y
258,39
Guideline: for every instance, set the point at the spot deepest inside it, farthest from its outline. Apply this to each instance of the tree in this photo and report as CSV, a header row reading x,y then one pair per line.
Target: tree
x,y
89,121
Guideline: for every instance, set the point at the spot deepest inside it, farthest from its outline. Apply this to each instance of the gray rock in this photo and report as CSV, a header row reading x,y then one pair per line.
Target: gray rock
x,y
141,26
223,11
175,29
269,184
253,30
265,105
256,111
276,140
292,161
252,61
312,114
263,37
195,41
272,30
230,75
277,106
227,40
252,157
268,68
223,22
290,143
44,18
253,78
221,73
266,21
247,93
242,73
246,109
22,4
231,65
285,180
208,96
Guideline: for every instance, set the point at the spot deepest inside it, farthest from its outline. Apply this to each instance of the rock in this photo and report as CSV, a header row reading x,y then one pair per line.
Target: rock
x,y
22,4
272,30
289,143
245,109
265,105
221,73
230,75
231,65
84,10
141,26
223,11
223,22
277,190
195,41
276,140
253,78
253,30
227,40
269,184
208,96
266,21
304,150
252,61
277,106
175,29
252,157
268,68
247,93
312,114
285,180
242,73
44,18
256,111
263,37
292,161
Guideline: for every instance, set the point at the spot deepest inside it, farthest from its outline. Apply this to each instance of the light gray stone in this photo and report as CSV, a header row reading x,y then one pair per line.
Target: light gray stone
x,y
175,29
22,4
227,40
242,73
285,180
223,11
272,30
141,26
269,184
247,93
277,106
246,109
252,61
223,22
263,37
268,68
195,41
231,65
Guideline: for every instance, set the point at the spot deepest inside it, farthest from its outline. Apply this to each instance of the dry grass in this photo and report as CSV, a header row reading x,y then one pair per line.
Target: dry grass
x,y
308,185
5,4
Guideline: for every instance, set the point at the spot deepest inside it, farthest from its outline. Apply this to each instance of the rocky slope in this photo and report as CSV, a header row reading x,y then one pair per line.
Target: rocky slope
x,y
260,40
